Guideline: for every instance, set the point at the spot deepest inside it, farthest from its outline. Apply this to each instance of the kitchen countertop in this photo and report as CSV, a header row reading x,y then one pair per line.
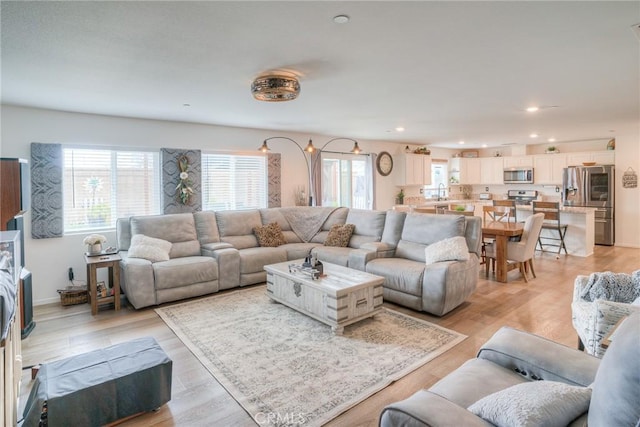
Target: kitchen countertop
x,y
431,203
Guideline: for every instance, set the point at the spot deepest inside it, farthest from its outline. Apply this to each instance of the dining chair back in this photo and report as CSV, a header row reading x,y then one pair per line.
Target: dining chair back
x,y
523,251
551,212
508,204
497,213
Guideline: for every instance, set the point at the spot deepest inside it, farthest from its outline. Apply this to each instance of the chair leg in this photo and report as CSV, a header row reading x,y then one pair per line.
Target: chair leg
x,y
533,272
523,271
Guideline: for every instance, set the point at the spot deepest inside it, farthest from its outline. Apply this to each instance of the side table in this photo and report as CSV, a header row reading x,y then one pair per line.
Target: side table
x,y
93,264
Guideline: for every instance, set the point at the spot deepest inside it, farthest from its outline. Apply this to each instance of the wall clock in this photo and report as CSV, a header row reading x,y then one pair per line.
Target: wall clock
x,y
384,163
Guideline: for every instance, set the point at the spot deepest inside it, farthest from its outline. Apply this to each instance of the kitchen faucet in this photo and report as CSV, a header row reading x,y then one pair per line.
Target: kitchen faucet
x,y
441,185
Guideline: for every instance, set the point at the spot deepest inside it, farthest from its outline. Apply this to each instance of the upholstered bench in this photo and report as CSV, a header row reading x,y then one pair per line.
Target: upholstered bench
x,y
101,386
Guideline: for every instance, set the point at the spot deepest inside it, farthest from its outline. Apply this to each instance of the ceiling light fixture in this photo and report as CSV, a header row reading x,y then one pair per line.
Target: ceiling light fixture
x,y
399,129
461,142
533,135
341,19
275,88
532,109
551,140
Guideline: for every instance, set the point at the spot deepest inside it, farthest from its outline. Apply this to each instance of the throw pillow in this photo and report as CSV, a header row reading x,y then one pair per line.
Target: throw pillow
x,y
451,249
270,235
536,403
616,287
339,235
149,248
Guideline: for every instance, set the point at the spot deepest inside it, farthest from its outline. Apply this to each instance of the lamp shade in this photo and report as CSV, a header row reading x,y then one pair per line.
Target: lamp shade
x,y
275,88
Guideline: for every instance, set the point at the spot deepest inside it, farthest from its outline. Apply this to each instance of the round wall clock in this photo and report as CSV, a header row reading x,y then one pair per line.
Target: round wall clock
x,y
384,163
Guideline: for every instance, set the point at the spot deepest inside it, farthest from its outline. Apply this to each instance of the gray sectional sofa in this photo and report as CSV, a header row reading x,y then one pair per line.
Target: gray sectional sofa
x,y
212,251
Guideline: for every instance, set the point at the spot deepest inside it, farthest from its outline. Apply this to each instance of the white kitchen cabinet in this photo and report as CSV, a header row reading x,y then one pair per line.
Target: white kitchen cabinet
x,y
491,169
413,169
600,157
464,170
518,161
547,168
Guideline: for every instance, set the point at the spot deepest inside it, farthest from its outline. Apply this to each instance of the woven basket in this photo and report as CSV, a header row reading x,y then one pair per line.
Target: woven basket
x,y
72,297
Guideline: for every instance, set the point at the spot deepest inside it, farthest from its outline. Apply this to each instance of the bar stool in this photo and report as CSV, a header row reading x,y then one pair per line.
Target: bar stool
x,y
551,211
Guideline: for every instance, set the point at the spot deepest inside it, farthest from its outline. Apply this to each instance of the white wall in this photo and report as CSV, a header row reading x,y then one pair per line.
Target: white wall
x,y
49,259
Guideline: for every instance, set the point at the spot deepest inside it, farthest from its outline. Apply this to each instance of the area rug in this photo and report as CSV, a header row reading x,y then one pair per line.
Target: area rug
x,y
287,369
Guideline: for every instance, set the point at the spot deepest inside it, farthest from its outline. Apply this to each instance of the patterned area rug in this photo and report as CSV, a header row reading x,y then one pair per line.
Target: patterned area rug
x,y
287,369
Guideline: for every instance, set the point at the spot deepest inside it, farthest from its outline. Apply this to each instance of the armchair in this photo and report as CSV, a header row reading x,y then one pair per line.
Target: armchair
x,y
600,300
491,387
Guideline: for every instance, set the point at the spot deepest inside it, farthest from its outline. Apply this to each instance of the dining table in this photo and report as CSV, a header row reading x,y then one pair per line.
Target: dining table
x,y
501,231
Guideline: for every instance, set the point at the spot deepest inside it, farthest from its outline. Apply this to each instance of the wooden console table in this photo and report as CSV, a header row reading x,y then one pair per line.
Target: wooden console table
x,y
93,264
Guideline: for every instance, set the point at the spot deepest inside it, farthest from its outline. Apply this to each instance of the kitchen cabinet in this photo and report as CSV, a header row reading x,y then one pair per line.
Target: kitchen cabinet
x,y
413,169
547,168
518,161
600,157
464,170
491,169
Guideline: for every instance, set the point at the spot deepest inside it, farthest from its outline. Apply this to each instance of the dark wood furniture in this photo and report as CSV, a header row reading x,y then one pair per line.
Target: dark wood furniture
x,y
501,232
112,262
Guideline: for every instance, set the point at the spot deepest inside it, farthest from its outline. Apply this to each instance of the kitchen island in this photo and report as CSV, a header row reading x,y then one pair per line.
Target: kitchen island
x,y
580,237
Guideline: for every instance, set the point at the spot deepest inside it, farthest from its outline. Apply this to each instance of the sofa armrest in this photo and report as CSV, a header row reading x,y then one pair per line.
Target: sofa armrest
x,y
228,267
137,280
578,285
358,258
425,408
382,250
208,249
538,358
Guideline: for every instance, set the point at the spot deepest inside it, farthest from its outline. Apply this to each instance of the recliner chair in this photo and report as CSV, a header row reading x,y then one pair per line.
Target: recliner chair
x,y
512,358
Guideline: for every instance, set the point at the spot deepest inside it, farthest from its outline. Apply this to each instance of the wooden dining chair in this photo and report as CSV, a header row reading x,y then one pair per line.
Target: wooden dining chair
x,y
509,204
521,252
551,211
491,214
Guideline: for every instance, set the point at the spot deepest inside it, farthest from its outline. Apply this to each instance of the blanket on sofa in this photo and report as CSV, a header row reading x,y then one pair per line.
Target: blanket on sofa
x,y
617,287
306,221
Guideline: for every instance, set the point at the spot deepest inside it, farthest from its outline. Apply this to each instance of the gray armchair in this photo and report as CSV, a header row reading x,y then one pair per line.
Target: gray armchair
x,y
608,388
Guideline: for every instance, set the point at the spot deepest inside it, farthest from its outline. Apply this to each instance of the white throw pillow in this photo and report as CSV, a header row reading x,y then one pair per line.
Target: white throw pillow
x,y
149,248
536,403
451,249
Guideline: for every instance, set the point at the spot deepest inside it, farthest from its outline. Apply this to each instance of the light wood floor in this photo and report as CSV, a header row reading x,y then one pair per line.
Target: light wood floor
x,y
542,306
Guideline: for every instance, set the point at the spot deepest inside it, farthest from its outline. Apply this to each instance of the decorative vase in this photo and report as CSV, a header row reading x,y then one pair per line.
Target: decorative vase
x,y
95,248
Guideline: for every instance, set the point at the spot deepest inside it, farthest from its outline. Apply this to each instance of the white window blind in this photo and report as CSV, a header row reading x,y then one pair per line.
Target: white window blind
x,y
101,186
233,182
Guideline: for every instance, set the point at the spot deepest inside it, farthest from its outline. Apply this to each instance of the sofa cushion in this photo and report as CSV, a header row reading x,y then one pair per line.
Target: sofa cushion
x,y
149,248
452,249
253,260
179,229
236,227
184,271
532,404
339,235
367,223
206,227
399,274
333,254
422,230
269,235
617,384
270,215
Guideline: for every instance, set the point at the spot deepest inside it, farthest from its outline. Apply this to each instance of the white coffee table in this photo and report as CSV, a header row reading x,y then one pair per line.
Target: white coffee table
x,y
344,296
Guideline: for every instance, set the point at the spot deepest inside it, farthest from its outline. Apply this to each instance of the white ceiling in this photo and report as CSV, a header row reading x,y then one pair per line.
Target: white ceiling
x,y
445,71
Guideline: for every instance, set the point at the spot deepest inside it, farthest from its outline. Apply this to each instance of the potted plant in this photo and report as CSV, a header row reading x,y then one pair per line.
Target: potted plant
x,y
552,149
400,197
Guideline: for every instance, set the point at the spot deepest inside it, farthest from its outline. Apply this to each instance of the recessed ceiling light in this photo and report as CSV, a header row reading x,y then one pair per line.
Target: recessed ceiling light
x,y
341,19
532,109
461,142
484,145
533,135
551,140
399,129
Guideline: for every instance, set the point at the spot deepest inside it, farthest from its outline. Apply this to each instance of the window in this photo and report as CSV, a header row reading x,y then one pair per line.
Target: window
x,y
234,182
100,186
439,179
346,180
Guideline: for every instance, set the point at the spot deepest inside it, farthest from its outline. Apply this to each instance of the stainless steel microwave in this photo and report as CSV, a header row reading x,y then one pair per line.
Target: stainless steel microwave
x,y
519,175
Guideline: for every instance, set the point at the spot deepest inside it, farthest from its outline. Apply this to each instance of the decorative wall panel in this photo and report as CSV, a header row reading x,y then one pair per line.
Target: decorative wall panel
x,y
46,191
171,177
274,183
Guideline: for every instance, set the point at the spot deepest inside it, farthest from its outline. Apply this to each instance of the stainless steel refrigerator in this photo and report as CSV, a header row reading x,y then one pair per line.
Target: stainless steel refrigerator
x,y
592,186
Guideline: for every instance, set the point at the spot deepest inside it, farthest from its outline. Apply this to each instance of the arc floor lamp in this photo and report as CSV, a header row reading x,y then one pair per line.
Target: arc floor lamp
x,y
311,161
